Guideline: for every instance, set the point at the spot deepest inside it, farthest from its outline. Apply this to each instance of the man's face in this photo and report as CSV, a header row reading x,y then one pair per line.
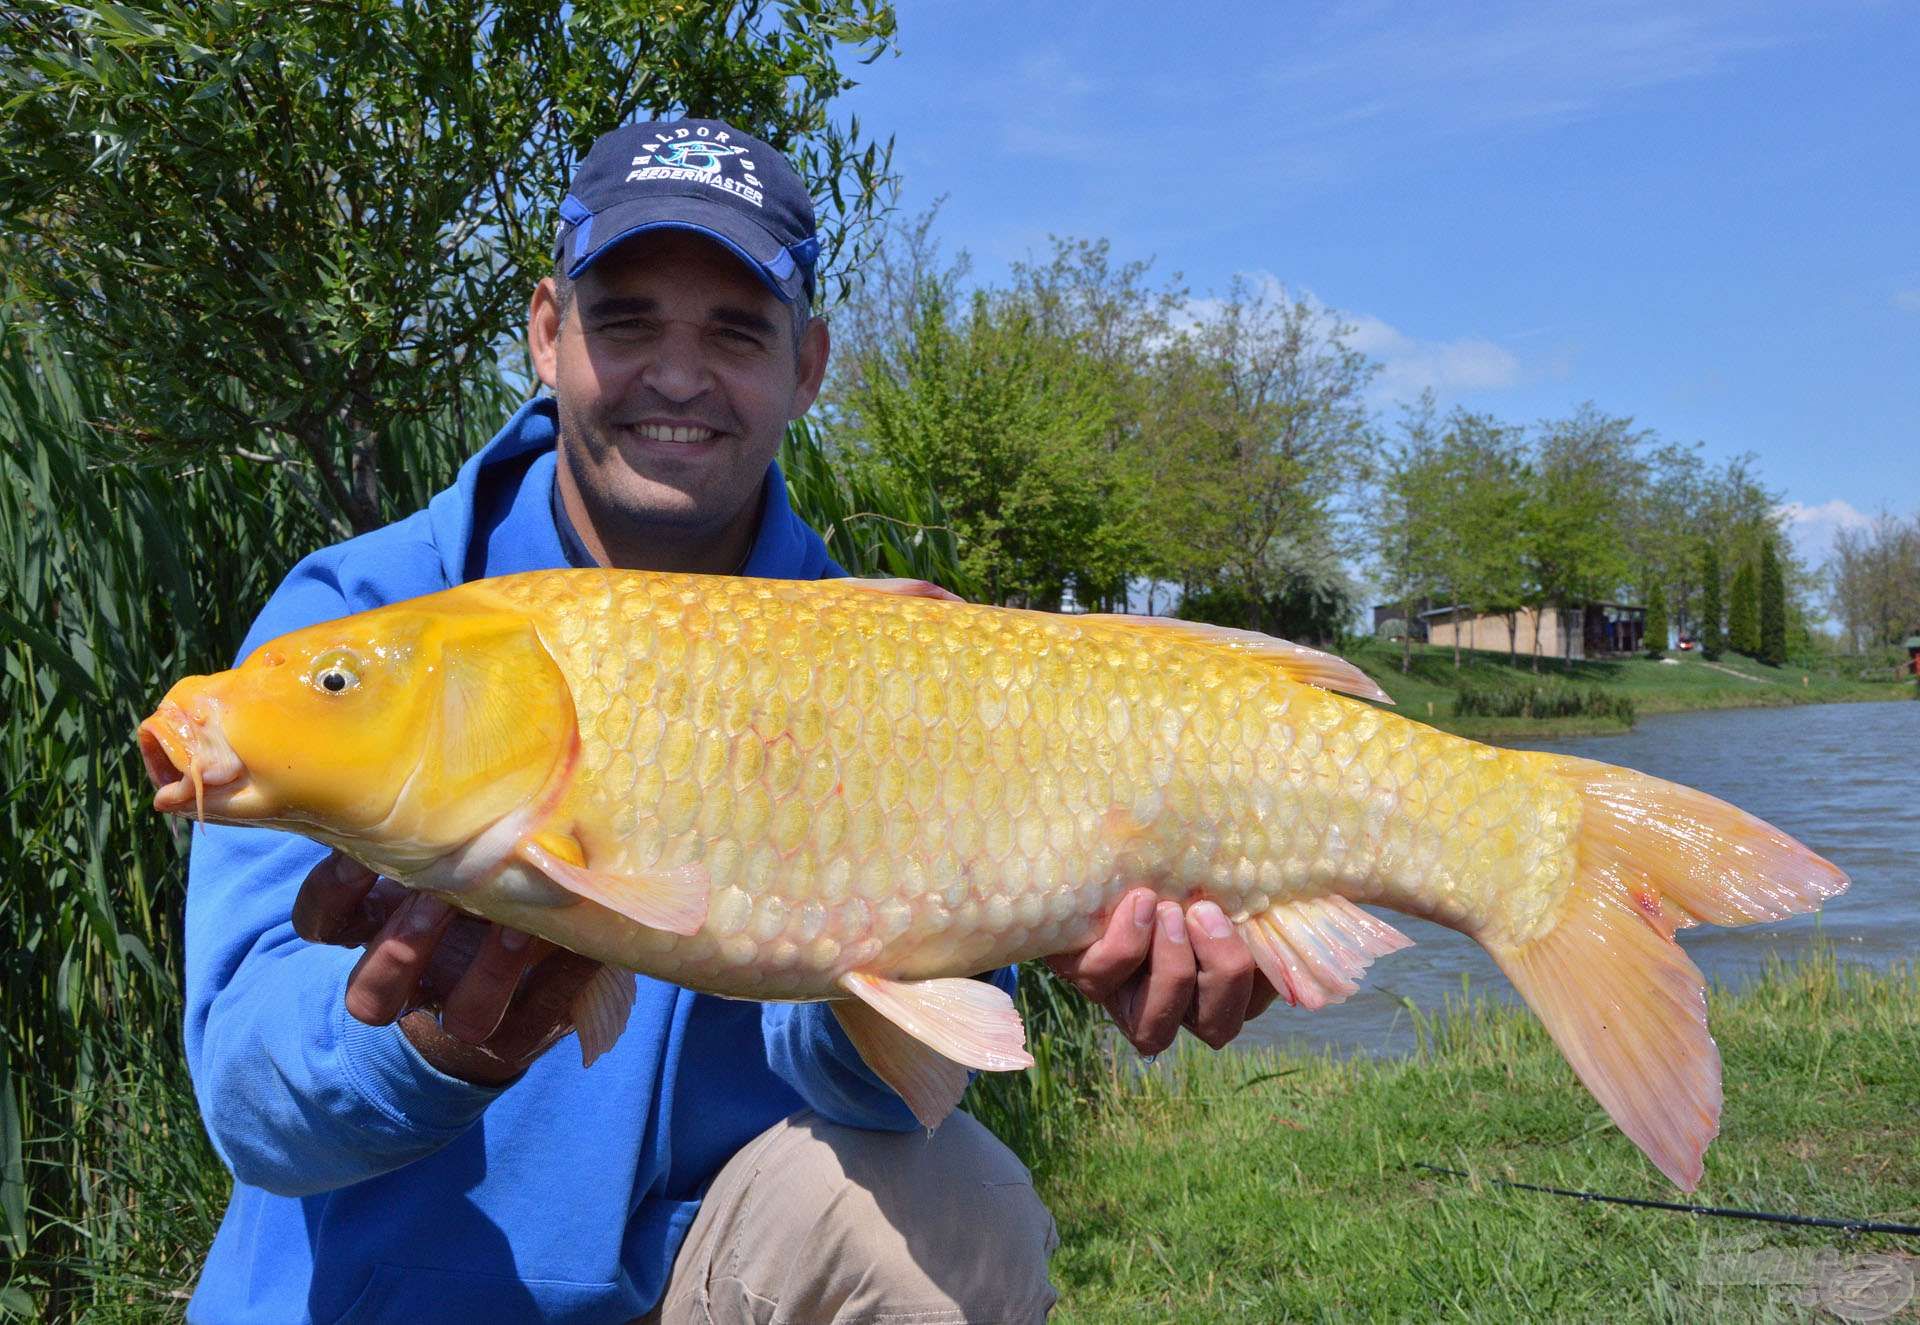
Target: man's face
x,y
675,373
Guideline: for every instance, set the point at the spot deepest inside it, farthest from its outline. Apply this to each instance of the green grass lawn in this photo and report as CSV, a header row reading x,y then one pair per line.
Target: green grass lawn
x,y
1427,692
1245,1186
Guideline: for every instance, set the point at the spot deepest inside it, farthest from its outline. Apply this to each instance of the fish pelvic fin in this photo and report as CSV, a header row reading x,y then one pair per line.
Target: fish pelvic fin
x,y
1624,1003
1315,949
1297,661
600,1011
921,1036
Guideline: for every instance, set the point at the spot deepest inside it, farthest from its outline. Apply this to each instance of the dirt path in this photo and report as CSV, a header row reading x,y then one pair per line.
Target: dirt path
x,y
1722,667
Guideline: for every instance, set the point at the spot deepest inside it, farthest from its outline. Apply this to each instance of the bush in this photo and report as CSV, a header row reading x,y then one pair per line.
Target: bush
x,y
1534,700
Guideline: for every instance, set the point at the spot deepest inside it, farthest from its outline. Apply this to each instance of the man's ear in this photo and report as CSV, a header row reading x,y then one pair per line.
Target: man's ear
x,y
543,331
810,366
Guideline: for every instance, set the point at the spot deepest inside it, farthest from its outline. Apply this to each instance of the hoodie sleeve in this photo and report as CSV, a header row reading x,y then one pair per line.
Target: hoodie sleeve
x,y
810,1052
298,1096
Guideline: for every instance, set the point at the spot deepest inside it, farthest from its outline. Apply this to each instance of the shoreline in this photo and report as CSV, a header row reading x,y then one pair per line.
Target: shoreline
x,y
1682,685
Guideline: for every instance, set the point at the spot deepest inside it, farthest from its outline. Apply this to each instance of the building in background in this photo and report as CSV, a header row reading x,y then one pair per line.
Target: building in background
x,y
1586,630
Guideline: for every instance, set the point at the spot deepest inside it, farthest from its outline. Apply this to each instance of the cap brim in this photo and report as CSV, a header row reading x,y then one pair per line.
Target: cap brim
x,y
724,225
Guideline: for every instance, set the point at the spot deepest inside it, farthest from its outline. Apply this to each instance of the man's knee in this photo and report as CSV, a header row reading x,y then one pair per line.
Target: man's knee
x,y
864,1225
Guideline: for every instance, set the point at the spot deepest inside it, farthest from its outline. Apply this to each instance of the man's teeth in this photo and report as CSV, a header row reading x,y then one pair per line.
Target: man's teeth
x,y
655,432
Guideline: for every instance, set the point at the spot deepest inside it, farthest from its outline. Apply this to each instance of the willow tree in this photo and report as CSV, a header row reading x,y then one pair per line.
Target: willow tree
x,y
285,228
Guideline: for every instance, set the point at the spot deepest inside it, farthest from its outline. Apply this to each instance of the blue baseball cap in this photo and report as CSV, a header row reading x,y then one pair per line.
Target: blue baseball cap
x,y
699,175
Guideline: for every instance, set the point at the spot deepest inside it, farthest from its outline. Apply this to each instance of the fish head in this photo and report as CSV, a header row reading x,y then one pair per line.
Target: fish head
x,y
396,734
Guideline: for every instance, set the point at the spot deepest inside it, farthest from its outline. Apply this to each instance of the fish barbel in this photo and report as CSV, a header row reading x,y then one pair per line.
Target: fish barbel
x,y
839,790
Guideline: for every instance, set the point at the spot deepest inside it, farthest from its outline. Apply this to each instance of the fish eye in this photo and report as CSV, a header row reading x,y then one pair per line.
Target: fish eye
x,y
335,672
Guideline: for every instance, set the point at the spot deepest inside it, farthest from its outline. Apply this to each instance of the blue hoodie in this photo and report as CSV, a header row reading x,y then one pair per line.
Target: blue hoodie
x,y
368,1185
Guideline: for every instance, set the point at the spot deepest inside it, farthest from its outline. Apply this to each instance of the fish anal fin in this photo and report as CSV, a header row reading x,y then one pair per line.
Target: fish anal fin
x,y
1629,1012
1315,949
1299,663
674,900
600,1011
930,1083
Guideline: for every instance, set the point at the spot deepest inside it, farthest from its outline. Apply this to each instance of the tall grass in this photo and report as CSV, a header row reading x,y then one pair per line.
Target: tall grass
x,y
116,580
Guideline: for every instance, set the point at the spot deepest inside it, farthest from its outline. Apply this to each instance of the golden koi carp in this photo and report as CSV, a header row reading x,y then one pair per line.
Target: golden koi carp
x,y
829,790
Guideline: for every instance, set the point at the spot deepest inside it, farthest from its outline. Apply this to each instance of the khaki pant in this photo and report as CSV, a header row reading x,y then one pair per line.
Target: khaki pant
x,y
814,1223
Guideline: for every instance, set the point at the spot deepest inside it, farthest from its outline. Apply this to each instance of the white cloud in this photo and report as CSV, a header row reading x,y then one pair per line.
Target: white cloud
x,y
1812,527
1456,69
1409,365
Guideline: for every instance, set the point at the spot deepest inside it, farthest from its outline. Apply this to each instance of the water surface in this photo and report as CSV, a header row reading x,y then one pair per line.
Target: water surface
x,y
1843,778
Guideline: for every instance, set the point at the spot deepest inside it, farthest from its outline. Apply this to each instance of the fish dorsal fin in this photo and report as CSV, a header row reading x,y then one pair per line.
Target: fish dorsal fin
x,y
1300,663
904,588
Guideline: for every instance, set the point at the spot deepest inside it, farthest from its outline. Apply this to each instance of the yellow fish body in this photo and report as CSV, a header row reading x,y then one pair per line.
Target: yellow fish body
x,y
827,790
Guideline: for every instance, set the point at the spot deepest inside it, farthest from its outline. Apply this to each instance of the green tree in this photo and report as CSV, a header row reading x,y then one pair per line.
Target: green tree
x,y
1663,533
1773,607
1282,423
1713,638
1743,612
1484,496
1656,637
1576,536
1006,423
293,230
1404,516
1875,577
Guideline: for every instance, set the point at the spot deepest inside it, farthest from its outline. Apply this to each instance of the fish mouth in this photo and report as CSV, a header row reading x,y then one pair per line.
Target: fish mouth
x,y
187,757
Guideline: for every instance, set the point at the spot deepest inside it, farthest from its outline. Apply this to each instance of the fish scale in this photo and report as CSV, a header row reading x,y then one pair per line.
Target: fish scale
x,y
858,792
1016,830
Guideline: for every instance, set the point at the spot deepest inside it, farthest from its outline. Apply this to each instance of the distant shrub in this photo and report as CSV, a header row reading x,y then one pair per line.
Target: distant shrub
x,y
1532,700
1393,628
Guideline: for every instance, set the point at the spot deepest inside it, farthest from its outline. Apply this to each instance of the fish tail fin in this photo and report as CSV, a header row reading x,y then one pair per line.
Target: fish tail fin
x,y
1620,998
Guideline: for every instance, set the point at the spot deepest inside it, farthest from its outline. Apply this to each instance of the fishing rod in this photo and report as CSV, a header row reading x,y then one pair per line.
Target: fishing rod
x,y
1724,1212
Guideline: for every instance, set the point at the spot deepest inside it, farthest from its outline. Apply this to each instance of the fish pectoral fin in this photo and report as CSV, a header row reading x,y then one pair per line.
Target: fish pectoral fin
x,y
600,1011
674,900
1314,950
920,1035
930,1083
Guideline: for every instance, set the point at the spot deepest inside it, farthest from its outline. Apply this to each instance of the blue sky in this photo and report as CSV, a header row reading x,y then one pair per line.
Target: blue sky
x,y
1705,216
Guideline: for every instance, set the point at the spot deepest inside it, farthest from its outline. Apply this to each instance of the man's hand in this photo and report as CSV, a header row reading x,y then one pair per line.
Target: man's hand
x,y
504,997
1157,969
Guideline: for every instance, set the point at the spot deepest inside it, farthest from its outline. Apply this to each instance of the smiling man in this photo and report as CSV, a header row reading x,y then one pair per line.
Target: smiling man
x,y
405,1146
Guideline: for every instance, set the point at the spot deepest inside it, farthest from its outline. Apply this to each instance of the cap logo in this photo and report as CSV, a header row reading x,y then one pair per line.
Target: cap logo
x,y
699,160
696,155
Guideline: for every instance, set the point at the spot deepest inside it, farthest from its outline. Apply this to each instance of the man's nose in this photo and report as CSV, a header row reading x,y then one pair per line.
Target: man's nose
x,y
677,367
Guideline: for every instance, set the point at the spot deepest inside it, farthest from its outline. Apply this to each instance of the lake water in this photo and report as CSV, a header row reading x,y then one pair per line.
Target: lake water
x,y
1843,778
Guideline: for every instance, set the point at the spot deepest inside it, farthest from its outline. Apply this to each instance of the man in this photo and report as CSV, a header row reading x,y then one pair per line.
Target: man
x,y
726,1160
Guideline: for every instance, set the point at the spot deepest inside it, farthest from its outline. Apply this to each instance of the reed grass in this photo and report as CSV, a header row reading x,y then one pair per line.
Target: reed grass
x,y
118,579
